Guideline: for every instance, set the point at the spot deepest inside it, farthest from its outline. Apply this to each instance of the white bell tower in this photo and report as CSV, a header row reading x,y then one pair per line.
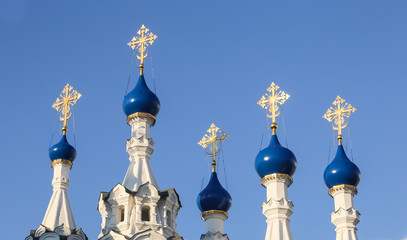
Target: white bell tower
x,y
276,165
214,201
58,222
138,209
342,176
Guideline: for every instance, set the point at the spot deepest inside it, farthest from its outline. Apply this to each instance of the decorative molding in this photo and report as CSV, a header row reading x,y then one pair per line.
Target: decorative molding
x,y
217,235
206,213
50,235
40,230
56,161
140,114
277,176
333,189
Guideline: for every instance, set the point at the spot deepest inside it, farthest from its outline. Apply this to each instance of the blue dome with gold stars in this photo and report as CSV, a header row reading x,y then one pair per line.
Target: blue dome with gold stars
x,y
141,99
214,196
275,159
341,171
62,150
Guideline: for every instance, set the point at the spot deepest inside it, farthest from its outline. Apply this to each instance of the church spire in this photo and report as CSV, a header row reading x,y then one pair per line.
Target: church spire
x,y
342,176
141,106
58,219
137,208
276,165
214,201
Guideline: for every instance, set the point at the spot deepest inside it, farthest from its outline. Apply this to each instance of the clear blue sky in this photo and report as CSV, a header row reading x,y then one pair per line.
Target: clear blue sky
x,y
213,60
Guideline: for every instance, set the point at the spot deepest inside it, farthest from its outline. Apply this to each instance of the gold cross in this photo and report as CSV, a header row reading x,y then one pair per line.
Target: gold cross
x,y
215,136
63,105
271,101
144,39
337,115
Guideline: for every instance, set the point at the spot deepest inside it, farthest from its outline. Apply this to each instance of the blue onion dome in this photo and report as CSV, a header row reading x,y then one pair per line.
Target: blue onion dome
x,y
275,159
141,99
341,171
214,196
62,150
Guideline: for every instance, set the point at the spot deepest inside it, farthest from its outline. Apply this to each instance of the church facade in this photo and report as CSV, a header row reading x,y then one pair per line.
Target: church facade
x,y
137,209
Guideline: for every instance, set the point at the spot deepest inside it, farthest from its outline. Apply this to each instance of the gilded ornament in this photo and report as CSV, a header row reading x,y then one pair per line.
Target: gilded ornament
x,y
343,187
210,212
276,176
140,42
56,161
215,137
271,101
140,114
338,115
69,96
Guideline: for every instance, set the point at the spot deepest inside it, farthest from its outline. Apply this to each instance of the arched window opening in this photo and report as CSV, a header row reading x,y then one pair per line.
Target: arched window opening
x,y
145,213
169,218
120,216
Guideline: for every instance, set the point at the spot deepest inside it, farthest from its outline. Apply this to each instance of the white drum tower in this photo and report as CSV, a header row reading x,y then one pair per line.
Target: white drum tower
x,y
276,165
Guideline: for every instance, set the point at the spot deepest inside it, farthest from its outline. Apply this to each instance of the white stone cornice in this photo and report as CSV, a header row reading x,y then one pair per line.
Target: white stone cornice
x,y
342,188
140,116
281,177
214,236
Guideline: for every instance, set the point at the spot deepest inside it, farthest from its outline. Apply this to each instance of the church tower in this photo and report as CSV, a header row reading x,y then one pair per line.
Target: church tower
x,y
137,209
58,222
276,165
214,201
342,176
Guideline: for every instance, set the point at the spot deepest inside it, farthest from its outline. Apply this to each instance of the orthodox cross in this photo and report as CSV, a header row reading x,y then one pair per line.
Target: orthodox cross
x,y
338,115
215,137
140,42
63,105
272,101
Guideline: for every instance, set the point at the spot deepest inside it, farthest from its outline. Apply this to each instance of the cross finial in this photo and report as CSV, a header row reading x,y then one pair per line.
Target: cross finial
x,y
140,42
338,115
272,101
215,137
63,105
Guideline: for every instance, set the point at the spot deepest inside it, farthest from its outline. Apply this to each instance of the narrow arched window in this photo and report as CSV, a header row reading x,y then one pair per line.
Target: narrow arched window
x,y
145,213
120,216
169,218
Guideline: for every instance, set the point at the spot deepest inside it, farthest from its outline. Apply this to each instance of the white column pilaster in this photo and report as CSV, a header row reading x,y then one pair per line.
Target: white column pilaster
x,y
345,217
277,209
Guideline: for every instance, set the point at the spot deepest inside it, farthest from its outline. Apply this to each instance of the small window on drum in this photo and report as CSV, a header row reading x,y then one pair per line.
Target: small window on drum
x,y
169,218
145,213
120,216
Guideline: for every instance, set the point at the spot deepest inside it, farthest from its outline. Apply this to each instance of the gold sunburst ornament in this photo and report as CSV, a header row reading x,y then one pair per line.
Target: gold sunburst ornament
x,y
211,140
338,115
140,42
69,96
271,101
